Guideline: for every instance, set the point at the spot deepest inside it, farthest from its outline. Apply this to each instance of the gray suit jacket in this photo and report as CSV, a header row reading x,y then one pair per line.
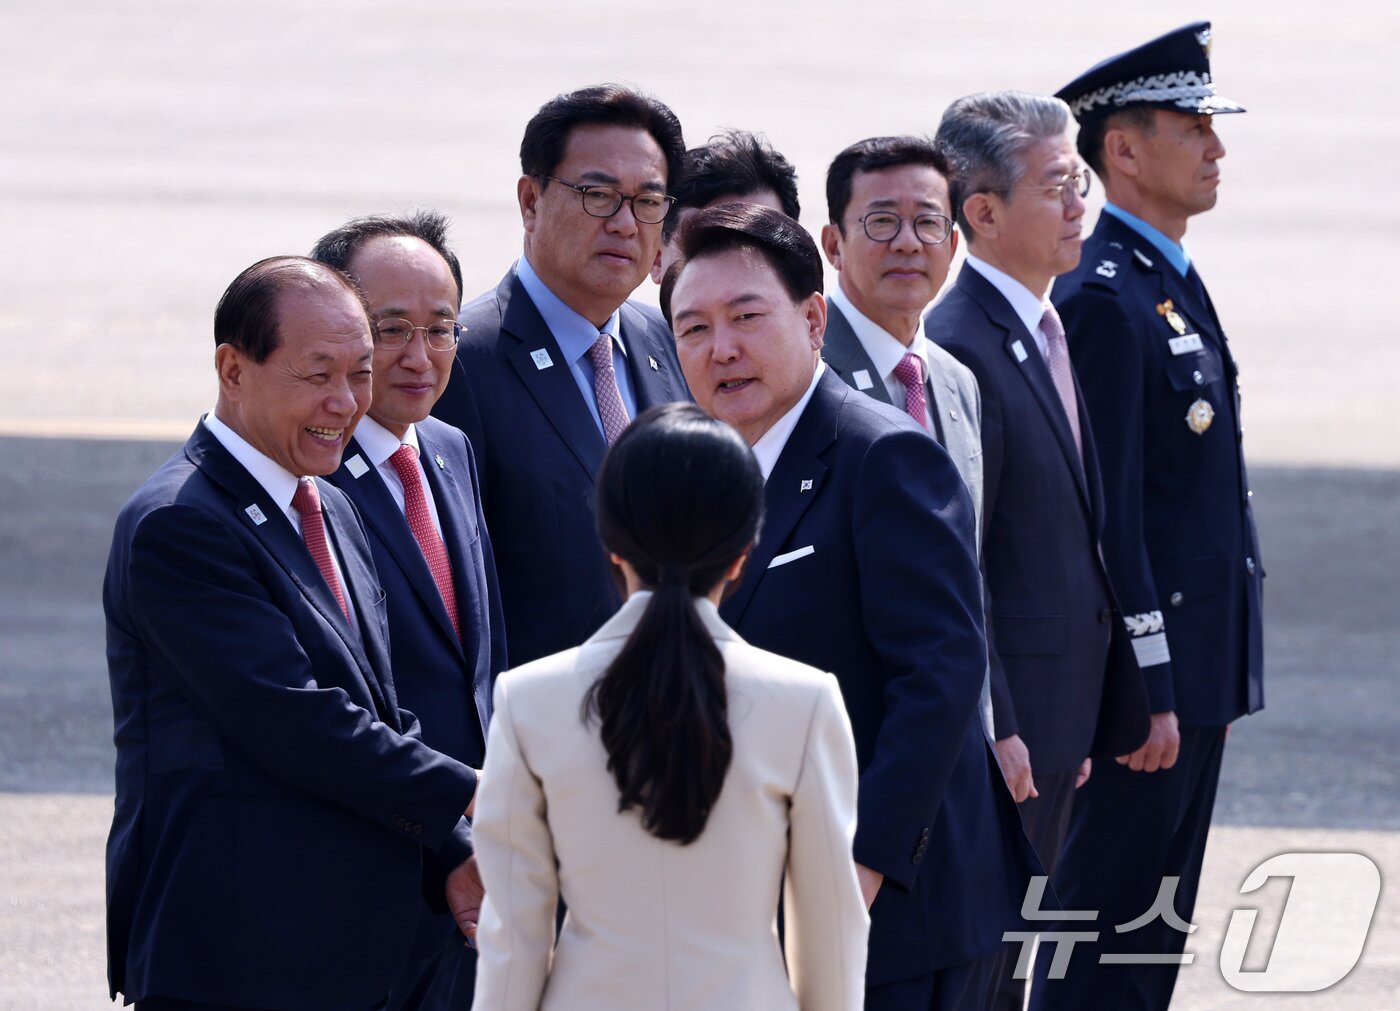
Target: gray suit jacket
x,y
953,398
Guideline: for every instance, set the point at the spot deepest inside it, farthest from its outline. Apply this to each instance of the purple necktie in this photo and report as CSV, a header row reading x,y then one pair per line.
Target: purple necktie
x,y
611,410
910,372
1057,357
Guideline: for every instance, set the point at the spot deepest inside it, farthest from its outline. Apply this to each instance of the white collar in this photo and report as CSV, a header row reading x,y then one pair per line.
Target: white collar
x,y
277,481
378,443
1027,305
771,443
886,350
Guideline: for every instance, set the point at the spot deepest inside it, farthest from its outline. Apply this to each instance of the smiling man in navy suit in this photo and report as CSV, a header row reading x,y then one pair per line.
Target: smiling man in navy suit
x,y
273,801
867,567
555,360
413,480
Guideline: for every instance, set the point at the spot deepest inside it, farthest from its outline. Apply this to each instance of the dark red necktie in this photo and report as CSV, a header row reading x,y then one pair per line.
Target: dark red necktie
x,y
307,502
415,507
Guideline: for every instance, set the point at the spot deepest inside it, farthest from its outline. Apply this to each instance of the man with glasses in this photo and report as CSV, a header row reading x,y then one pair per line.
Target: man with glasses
x,y
1064,686
1159,383
555,361
413,479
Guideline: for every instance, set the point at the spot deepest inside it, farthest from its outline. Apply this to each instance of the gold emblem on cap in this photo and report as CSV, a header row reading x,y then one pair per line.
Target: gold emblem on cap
x,y
1173,317
1199,416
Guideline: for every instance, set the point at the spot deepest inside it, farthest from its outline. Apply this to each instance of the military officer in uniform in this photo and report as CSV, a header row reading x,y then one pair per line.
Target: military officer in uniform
x,y
1161,388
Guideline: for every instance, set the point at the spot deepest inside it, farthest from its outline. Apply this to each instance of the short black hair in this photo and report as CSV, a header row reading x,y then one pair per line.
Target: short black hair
x,y
872,155
247,315
1092,132
337,248
547,133
737,162
780,240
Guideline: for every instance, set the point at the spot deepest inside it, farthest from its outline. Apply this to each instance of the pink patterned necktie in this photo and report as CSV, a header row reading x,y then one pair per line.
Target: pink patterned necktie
x,y
910,372
415,507
611,411
307,502
1057,357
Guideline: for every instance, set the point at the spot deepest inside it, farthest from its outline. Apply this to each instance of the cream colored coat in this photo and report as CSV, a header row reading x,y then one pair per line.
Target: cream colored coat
x,y
651,924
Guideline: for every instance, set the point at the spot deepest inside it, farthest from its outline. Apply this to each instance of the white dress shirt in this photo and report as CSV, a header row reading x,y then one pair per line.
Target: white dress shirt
x,y
1027,305
886,351
770,444
378,444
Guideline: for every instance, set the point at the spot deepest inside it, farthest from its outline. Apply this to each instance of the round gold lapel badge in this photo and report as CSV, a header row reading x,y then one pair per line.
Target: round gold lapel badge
x,y
1199,416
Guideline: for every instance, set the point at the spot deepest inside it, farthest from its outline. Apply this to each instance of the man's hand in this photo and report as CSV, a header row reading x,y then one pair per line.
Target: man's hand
x,y
1015,761
464,894
1086,768
870,882
1161,748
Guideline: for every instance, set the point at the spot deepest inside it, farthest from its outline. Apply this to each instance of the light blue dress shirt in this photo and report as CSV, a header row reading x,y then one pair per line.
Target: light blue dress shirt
x,y
1175,252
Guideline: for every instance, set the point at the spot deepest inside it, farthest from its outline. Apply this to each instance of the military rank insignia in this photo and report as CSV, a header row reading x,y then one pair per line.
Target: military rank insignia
x,y
1168,312
1199,416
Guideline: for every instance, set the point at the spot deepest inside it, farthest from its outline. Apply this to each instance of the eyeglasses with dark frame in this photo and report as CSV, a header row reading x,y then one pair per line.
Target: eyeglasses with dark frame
x,y
930,228
649,208
393,333
1076,184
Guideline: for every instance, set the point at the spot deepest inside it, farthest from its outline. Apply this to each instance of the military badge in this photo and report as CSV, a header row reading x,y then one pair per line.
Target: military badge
x,y
1167,310
1199,416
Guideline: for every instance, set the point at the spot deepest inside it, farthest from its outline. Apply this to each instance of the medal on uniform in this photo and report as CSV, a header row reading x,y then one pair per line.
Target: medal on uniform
x,y
1199,416
1167,310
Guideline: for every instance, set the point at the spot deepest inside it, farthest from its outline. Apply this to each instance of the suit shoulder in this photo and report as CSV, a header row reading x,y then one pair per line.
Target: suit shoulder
x,y
950,367
443,436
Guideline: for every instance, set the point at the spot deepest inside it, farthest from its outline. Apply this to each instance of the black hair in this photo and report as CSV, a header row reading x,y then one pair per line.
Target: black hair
x,y
780,240
247,315
547,133
337,248
680,497
872,155
736,162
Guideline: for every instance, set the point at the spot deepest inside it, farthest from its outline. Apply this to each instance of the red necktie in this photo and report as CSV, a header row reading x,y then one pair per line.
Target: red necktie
x,y
910,371
1057,357
307,502
415,507
611,410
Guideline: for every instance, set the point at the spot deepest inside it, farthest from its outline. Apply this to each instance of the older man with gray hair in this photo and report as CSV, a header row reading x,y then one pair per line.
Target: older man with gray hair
x,y
1065,684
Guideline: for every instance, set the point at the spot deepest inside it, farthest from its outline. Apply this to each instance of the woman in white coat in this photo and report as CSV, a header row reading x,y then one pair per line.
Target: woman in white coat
x,y
665,778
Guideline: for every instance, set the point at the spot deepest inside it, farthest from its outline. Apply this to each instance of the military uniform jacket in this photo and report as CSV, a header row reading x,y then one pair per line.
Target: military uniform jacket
x,y
1161,390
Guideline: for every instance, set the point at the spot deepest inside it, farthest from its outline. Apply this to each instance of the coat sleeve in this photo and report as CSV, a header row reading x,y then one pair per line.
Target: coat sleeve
x,y
245,669
1108,360
515,850
825,917
921,607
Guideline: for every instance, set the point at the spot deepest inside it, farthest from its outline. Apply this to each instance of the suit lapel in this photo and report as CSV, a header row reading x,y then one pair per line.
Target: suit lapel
x,y
843,351
548,378
794,485
647,363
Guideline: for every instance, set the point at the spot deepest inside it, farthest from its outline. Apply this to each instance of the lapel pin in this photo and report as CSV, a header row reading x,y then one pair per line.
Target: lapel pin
x,y
862,378
541,358
256,515
356,466
1019,350
653,363
440,463
806,486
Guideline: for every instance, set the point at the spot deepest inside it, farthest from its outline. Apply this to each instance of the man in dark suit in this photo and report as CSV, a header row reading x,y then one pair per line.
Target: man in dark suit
x,y
866,567
555,361
273,802
1064,686
413,480
1159,383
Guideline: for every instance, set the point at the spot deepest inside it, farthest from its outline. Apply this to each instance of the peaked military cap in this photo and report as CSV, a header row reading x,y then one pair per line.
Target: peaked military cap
x,y
1170,72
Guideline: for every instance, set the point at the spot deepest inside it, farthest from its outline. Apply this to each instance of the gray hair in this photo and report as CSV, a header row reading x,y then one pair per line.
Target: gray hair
x,y
985,136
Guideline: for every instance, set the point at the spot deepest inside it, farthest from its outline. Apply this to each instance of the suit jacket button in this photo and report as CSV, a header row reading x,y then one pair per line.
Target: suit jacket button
x,y
1176,599
1104,615
1249,565
953,414
1200,379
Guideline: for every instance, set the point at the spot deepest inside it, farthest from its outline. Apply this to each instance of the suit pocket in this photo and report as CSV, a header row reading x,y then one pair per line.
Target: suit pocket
x,y
1029,635
1191,579
1200,371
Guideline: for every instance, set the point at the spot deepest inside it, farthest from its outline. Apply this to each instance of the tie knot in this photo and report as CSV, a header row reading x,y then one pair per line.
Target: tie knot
x,y
600,351
404,459
910,370
1050,324
307,499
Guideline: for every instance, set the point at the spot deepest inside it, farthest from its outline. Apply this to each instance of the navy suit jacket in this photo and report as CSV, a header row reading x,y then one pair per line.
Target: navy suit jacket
x,y
444,680
272,801
1060,678
537,452
867,567
1179,535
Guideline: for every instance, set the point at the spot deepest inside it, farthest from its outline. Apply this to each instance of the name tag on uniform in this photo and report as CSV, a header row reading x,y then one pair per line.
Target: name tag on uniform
x,y
1185,344
862,378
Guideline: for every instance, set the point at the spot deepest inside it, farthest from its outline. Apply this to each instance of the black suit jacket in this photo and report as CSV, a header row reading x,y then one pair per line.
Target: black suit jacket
x,y
272,799
867,567
537,450
1060,677
1179,535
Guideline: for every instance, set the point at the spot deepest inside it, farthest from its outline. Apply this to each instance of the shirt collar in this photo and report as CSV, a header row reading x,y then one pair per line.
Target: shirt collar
x,y
886,350
574,334
280,484
1028,306
378,443
771,443
1175,252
